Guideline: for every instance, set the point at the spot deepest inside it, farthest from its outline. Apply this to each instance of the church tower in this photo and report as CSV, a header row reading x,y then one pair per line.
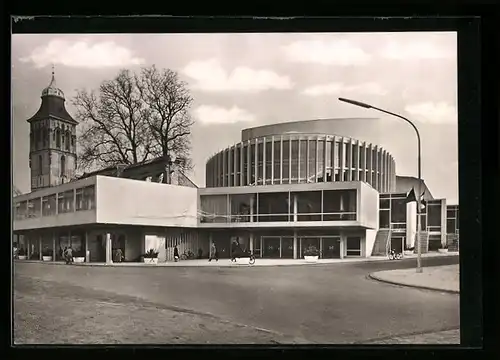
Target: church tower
x,y
52,140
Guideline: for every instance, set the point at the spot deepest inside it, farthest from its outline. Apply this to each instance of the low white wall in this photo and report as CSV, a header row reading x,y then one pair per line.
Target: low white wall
x,y
133,202
369,241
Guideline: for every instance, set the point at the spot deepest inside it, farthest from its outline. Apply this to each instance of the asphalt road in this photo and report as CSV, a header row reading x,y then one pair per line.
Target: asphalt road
x,y
333,303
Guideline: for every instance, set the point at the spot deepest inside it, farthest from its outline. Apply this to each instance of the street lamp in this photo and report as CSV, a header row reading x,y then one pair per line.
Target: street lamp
x,y
367,106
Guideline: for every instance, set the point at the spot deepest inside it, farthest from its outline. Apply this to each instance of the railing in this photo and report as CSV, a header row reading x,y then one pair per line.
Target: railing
x,y
245,218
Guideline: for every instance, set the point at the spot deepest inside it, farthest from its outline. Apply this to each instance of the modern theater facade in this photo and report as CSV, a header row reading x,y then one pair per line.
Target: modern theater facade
x,y
283,188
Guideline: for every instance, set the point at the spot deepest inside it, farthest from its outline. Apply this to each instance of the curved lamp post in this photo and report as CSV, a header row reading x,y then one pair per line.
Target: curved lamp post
x,y
367,106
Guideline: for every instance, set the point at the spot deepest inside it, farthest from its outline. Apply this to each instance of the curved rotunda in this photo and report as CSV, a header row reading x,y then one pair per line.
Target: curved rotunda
x,y
293,158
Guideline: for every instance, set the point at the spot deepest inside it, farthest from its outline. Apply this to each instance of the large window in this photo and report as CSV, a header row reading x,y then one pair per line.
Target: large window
x,y
245,165
339,205
303,161
308,205
434,216
276,164
238,165
321,160
35,208
241,207
273,206
269,161
295,161
67,202
252,165
398,210
260,164
311,176
286,161
214,208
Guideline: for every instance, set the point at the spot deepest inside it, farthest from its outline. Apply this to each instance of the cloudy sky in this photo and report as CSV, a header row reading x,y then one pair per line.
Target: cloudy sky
x,y
245,80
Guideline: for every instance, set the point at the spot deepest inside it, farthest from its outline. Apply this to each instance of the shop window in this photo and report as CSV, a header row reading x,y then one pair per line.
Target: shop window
x,y
353,246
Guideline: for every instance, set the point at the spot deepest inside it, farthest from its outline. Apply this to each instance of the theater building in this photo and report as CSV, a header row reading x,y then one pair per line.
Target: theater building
x,y
281,189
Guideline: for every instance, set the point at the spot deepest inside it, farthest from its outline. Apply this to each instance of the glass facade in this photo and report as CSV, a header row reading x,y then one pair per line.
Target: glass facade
x,y
452,219
322,205
57,203
296,158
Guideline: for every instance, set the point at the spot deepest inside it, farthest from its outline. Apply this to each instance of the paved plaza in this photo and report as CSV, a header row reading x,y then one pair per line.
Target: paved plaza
x,y
329,303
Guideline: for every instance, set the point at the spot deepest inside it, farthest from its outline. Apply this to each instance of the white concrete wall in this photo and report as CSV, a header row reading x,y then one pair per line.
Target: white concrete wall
x,y
370,236
368,206
133,202
411,223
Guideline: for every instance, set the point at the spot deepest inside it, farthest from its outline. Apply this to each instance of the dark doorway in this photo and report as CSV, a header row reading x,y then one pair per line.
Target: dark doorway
x,y
223,248
271,247
287,247
331,247
397,243
118,242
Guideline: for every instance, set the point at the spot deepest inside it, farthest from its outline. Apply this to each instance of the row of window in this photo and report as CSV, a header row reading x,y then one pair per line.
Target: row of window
x,y
326,205
297,161
40,164
64,202
40,138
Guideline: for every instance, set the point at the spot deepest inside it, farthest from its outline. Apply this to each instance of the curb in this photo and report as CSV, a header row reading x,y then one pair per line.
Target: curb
x,y
376,278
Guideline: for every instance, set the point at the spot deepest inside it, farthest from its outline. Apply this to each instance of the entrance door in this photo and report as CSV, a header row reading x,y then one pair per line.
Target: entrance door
x,y
331,247
271,247
287,247
397,243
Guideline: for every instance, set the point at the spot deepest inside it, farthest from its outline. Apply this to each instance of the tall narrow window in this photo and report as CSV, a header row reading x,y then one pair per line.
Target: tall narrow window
x,y
68,139
63,165
40,165
58,138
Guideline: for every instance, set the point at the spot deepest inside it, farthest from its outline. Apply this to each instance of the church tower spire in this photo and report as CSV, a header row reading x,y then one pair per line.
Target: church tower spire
x,y
52,140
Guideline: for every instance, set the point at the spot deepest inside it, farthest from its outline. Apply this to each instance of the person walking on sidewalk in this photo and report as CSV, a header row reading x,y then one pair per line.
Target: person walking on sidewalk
x,y
213,253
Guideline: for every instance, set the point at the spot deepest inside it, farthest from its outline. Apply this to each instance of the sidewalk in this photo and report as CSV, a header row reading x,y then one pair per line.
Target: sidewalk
x,y
228,263
439,278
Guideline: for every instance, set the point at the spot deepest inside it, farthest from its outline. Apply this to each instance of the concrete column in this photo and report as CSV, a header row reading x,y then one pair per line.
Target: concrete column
x,y
241,164
272,160
342,158
295,207
349,160
87,253
295,244
281,159
356,176
252,202
28,246
281,245
40,240
342,244
299,156
54,253
251,242
325,156
249,161
264,160
109,259
289,160
256,159
320,247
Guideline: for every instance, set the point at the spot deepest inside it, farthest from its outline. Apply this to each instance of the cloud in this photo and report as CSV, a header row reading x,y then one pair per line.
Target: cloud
x,y
211,76
430,112
418,50
337,88
342,53
209,114
82,54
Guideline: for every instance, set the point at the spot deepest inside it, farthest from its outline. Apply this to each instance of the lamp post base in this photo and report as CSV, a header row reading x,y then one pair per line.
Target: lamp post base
x,y
419,270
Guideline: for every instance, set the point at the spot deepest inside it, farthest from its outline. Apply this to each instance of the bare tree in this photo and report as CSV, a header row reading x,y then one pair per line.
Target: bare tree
x,y
113,124
168,100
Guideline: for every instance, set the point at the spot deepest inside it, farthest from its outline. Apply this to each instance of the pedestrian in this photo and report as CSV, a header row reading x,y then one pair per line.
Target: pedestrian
x,y
176,253
119,255
213,253
69,255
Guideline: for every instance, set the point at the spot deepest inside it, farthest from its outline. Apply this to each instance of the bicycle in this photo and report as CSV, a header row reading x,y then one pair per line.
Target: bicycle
x,y
251,258
393,255
187,255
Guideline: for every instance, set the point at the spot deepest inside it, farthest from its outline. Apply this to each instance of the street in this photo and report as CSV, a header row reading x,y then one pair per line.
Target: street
x,y
333,303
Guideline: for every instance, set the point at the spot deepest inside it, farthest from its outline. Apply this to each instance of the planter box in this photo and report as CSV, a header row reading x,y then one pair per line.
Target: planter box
x,y
311,259
47,258
153,261
22,257
442,251
79,259
408,252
